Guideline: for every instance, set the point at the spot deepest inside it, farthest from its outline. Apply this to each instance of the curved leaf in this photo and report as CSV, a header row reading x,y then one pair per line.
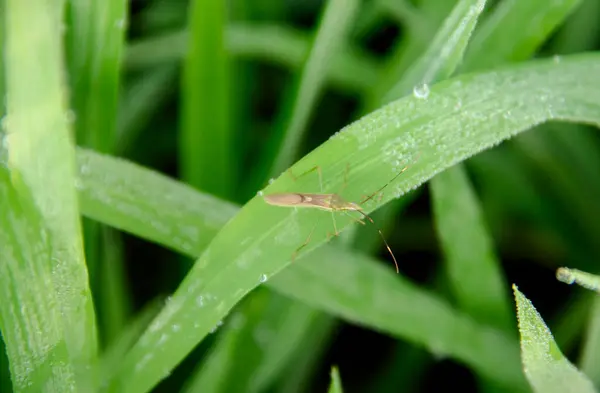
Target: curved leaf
x,y
547,369
459,118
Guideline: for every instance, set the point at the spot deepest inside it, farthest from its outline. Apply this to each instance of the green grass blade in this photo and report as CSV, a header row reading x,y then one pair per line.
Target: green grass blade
x,y
514,30
570,319
475,274
406,15
336,382
356,289
545,366
438,62
163,15
5,382
137,197
408,48
290,128
407,368
504,181
302,327
546,154
350,69
96,37
205,140
212,375
30,314
580,31
299,374
113,294
260,240
256,344
2,67
444,54
113,182
41,154
140,100
590,357
108,362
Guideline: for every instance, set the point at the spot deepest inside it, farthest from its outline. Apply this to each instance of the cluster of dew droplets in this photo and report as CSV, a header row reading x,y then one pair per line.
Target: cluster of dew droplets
x,y
216,327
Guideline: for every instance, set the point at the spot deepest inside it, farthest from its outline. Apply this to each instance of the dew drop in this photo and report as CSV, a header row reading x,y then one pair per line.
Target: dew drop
x,y
263,278
271,181
219,324
421,91
200,301
259,193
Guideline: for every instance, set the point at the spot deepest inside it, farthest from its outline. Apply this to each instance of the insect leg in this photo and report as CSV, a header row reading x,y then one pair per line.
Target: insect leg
x,y
382,238
337,233
295,254
315,168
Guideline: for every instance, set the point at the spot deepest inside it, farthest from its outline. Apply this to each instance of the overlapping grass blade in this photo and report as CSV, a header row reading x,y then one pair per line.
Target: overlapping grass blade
x,y
287,135
206,147
336,382
590,356
475,275
514,30
438,62
255,345
95,37
30,314
545,366
444,54
247,248
350,69
42,158
357,289
143,97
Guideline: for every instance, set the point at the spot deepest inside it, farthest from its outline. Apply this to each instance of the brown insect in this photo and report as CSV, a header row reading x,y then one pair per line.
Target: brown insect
x,y
333,203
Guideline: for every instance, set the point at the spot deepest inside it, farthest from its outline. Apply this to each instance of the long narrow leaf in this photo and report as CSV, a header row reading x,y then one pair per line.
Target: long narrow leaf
x,y
349,69
336,382
333,29
475,275
42,155
590,357
30,317
514,30
444,54
261,239
205,139
547,369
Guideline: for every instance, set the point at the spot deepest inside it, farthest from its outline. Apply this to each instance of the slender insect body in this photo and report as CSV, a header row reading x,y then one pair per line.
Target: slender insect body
x,y
328,202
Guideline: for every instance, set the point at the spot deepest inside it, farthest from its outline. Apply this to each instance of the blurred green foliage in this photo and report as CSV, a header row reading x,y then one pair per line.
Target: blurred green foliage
x,y
224,97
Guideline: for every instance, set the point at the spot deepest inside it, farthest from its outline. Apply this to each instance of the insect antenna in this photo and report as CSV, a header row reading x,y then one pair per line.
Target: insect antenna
x,y
365,215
